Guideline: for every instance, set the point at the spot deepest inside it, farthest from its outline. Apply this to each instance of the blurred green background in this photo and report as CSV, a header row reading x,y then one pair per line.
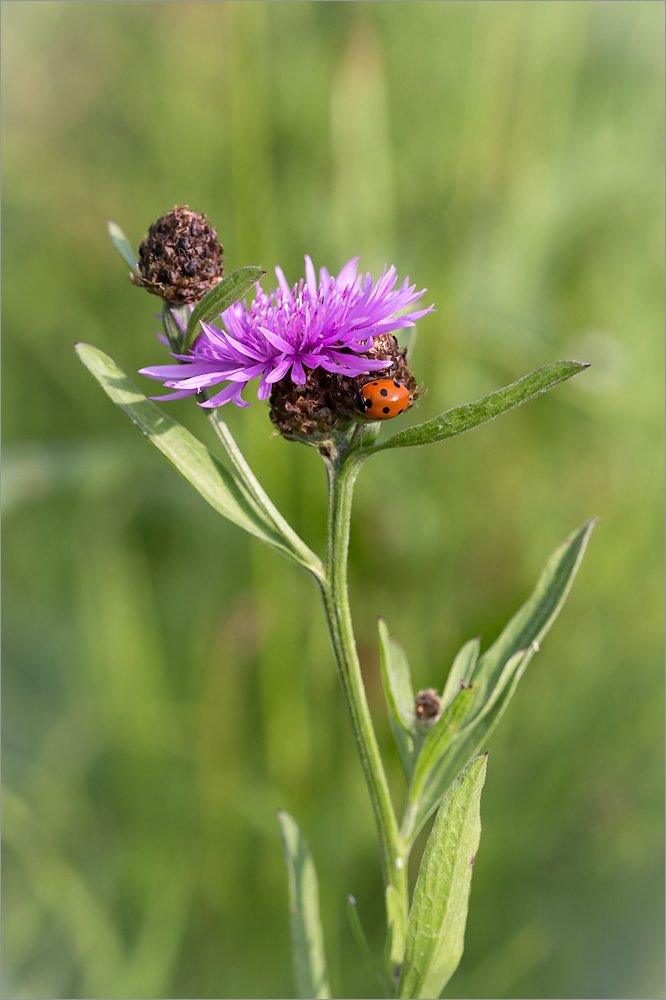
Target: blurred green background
x,y
168,683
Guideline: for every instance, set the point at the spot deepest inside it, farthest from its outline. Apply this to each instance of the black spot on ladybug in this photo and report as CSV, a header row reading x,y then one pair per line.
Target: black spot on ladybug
x,y
383,392
374,383
397,385
387,409
368,402
400,411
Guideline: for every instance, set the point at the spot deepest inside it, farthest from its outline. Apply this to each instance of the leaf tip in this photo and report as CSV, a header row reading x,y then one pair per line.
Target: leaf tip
x,y
351,900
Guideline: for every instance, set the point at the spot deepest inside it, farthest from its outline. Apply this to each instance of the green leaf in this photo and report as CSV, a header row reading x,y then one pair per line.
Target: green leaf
x,y
307,939
122,245
475,736
229,290
529,626
399,693
463,418
436,926
220,487
497,673
462,670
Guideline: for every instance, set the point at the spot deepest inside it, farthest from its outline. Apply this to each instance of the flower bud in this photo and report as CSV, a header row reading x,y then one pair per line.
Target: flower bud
x,y
181,257
427,706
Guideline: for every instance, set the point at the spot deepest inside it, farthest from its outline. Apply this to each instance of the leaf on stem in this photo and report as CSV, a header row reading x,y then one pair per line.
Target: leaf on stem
x,y
229,290
530,624
399,693
497,673
219,486
122,245
307,939
462,670
436,926
463,418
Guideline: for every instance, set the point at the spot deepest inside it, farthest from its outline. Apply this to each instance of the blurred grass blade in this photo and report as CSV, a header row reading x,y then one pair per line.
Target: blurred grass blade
x,y
529,626
463,418
399,693
306,934
122,245
462,670
216,484
230,290
363,946
436,926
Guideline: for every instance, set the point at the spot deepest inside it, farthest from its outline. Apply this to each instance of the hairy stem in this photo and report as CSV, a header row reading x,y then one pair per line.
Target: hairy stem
x,y
342,471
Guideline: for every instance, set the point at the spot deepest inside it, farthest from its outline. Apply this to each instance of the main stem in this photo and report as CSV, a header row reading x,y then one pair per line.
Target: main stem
x,y
342,470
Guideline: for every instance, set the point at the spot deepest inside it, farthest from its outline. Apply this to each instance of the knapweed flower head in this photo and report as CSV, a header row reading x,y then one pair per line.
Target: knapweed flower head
x,y
180,258
330,327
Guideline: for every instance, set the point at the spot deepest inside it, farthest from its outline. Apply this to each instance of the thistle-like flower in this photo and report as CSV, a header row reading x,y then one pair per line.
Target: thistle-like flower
x,y
332,326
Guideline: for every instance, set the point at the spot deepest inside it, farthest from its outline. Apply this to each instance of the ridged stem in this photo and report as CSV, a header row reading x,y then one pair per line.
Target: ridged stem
x,y
342,468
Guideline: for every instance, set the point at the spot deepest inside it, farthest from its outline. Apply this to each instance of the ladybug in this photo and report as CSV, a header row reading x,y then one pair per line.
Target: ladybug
x,y
384,399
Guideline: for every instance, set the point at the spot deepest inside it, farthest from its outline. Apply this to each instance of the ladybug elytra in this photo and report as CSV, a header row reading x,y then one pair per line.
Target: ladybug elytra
x,y
384,398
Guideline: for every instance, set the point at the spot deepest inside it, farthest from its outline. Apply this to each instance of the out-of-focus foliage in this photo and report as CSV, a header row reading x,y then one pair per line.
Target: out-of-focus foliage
x,y
168,683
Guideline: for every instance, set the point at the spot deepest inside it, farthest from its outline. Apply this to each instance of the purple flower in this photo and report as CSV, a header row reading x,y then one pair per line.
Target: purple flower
x,y
327,325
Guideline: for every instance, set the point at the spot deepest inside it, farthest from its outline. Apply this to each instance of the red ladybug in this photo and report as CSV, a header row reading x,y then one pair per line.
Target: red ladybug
x,y
384,399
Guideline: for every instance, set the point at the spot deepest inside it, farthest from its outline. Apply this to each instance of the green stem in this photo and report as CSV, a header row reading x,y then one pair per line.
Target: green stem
x,y
342,468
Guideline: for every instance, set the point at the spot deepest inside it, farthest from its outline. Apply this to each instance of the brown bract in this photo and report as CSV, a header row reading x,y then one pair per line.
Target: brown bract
x,y
181,257
328,401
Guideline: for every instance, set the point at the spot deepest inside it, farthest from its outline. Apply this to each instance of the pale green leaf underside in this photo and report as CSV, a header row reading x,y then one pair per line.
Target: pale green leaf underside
x,y
216,484
122,245
463,418
229,290
436,926
399,694
306,932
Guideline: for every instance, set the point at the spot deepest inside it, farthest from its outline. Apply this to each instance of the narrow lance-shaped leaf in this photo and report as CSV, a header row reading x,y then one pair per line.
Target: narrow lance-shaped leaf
x,y
530,625
307,940
474,738
399,694
229,290
462,670
436,926
463,418
498,671
216,484
122,245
